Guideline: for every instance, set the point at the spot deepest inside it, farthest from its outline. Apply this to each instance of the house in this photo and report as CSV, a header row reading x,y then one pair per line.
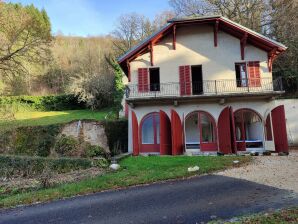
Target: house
x,y
204,85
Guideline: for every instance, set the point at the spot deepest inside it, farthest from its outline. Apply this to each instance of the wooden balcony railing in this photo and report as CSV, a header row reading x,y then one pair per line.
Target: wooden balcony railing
x,y
206,87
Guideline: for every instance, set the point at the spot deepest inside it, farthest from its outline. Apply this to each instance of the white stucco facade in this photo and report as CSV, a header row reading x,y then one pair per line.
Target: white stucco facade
x,y
195,46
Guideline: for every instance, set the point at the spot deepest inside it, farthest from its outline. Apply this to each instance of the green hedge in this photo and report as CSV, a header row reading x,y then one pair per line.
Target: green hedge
x,y
30,141
117,134
32,166
47,103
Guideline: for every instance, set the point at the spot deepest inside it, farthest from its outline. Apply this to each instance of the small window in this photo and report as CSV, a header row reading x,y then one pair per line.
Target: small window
x,y
154,79
241,75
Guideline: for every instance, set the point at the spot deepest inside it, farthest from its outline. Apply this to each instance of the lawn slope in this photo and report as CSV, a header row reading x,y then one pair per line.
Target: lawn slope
x,y
134,171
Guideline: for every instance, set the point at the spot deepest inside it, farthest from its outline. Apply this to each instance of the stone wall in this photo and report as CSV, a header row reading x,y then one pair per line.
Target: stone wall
x,y
88,131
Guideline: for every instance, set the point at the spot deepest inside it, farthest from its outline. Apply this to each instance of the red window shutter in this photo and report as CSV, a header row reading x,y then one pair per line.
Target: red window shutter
x,y
177,133
224,131
165,134
184,78
254,74
135,134
126,110
143,80
279,129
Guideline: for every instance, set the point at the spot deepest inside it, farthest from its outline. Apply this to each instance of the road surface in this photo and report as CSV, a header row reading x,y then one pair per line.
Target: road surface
x,y
193,200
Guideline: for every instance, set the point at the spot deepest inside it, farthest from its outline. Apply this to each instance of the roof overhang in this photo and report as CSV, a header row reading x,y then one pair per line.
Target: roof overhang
x,y
224,24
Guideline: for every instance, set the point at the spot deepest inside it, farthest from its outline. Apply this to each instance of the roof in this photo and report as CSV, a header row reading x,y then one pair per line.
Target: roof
x,y
225,24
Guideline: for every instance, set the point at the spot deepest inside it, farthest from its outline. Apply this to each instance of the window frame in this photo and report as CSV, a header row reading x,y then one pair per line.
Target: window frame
x,y
239,81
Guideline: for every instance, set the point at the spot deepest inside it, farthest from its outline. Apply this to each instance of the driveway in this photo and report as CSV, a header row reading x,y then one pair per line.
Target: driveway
x,y
193,200
276,171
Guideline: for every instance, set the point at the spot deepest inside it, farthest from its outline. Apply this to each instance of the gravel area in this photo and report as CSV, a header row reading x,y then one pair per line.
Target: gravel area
x,y
275,171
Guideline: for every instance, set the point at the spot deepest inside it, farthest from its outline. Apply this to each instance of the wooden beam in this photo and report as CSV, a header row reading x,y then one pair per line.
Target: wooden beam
x,y
151,53
174,37
242,45
128,70
215,30
271,57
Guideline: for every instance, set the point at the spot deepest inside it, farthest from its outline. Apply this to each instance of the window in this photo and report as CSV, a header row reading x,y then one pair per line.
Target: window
x,y
154,79
207,128
241,75
150,129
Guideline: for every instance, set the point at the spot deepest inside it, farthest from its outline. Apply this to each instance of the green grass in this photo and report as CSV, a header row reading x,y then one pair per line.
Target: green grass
x,y
134,171
282,217
38,118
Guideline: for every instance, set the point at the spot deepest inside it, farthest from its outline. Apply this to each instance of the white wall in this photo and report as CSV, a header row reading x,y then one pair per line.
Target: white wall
x,y
195,46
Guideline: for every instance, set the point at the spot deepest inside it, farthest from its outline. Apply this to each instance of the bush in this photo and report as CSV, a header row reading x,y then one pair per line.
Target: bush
x,y
34,166
46,103
65,145
31,141
95,151
117,134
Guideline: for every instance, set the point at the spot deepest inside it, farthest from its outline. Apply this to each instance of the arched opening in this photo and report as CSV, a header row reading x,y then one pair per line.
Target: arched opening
x,y
200,132
249,130
150,127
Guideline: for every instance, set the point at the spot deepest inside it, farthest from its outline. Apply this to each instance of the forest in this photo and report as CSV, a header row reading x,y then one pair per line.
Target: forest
x,y
34,61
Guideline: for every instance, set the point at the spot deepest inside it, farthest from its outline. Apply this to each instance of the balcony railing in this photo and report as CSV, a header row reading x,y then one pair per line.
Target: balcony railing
x,y
206,87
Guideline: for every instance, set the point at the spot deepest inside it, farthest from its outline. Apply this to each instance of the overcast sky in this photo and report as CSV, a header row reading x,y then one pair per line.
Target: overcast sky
x,y
93,17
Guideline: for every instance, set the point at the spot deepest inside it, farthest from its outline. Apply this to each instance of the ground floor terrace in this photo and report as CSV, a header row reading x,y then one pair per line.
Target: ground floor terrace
x,y
235,127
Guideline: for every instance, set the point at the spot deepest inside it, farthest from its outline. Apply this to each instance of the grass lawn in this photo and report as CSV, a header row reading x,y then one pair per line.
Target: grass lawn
x,y
282,216
134,170
35,118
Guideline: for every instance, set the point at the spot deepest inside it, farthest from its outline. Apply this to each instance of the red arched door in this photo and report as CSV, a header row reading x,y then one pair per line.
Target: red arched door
x,y
200,131
150,133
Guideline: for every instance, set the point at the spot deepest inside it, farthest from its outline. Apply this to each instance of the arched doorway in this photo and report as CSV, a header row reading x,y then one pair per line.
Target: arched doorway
x,y
249,130
149,133
200,132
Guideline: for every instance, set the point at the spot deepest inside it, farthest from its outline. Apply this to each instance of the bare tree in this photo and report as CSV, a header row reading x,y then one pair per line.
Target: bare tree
x,y
249,13
162,18
131,29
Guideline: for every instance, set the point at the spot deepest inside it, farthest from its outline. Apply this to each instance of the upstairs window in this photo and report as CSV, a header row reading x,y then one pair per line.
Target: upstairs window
x,y
248,74
154,79
241,74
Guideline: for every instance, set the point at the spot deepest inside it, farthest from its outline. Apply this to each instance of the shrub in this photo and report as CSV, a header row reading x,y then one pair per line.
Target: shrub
x,y
51,102
65,145
95,151
34,166
32,141
117,134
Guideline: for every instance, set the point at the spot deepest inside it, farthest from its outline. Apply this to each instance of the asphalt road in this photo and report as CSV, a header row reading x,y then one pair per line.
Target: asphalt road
x,y
194,200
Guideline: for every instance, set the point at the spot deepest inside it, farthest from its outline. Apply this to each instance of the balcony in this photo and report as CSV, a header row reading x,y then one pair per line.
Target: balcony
x,y
205,89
